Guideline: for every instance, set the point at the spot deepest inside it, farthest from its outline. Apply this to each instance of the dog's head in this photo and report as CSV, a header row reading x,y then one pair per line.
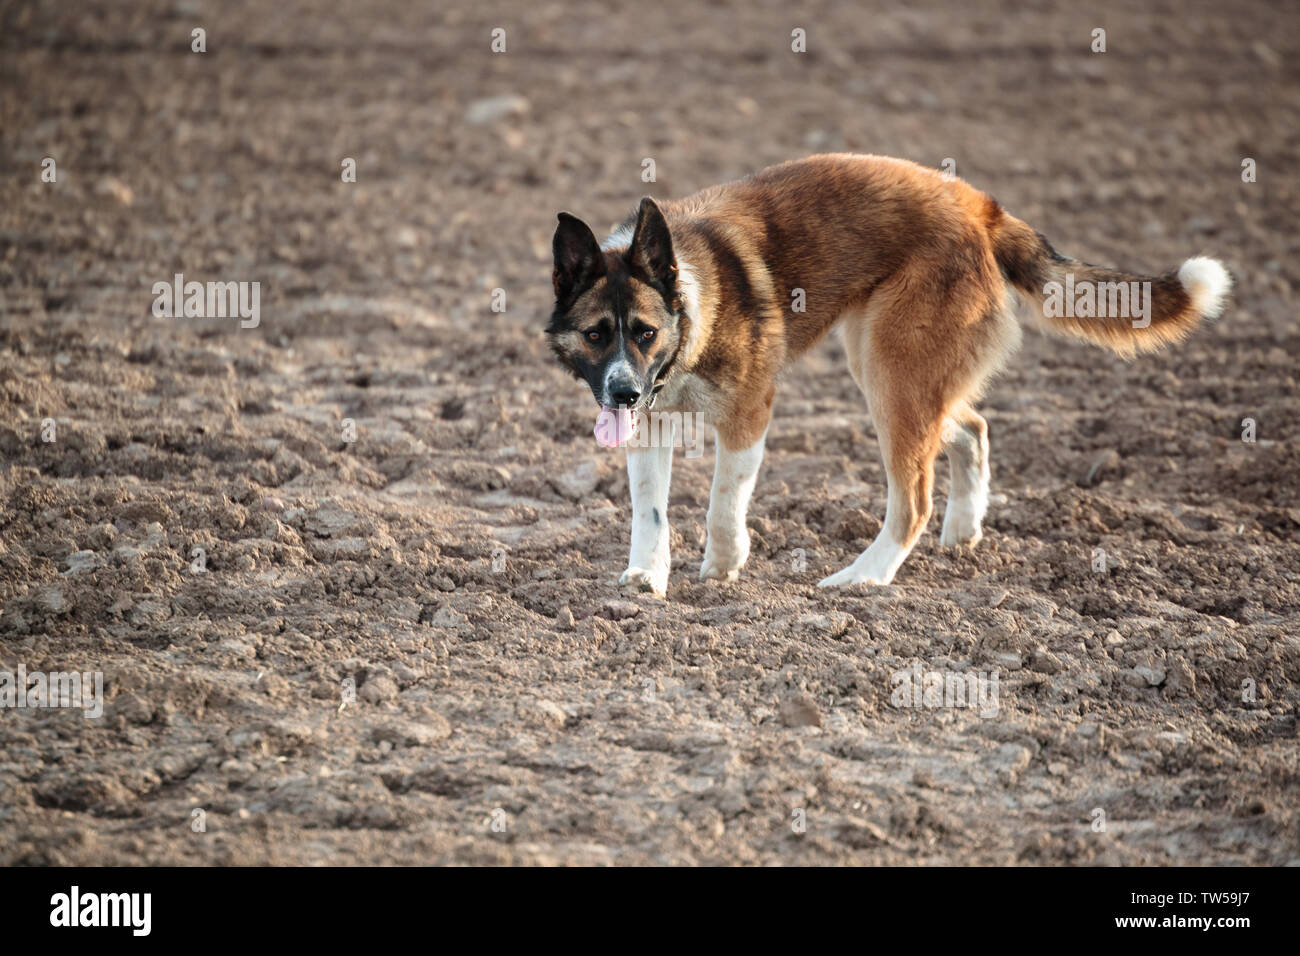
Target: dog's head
x,y
618,319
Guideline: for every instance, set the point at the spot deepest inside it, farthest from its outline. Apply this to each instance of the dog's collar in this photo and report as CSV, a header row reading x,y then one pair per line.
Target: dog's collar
x,y
662,378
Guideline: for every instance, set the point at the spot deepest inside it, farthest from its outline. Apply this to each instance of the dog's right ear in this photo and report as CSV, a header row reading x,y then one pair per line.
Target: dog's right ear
x,y
651,250
578,259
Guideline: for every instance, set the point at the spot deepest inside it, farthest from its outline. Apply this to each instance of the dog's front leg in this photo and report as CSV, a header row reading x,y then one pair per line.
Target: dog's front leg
x,y
648,471
734,476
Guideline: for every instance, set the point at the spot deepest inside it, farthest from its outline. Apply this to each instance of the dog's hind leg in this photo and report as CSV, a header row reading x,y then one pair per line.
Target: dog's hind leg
x,y
910,437
649,470
920,352
906,392
966,440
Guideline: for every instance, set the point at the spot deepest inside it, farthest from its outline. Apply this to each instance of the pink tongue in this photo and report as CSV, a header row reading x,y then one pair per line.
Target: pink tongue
x,y
614,426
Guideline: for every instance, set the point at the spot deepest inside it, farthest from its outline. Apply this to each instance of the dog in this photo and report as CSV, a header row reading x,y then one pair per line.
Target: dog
x,y
697,305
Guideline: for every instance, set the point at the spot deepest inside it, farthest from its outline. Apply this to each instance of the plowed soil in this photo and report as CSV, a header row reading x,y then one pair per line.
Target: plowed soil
x,y
456,564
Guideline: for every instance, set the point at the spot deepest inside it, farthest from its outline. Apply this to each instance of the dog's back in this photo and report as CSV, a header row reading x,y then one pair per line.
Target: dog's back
x,y
841,226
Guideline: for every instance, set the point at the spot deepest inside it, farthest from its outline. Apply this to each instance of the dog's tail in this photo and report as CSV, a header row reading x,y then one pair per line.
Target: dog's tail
x,y
1123,312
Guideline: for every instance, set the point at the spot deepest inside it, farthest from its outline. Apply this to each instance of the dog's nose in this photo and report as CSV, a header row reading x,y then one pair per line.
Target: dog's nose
x,y
625,396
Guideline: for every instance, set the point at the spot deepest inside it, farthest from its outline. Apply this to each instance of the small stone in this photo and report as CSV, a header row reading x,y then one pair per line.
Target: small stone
x,y
155,537
831,624
800,711
429,730
1145,676
52,600
600,628
133,708
579,483
1045,663
1266,54
1008,661
233,646
491,108
1180,679
564,619
1013,755
116,190
81,561
151,612
126,554
378,689
550,713
619,610
1010,761
101,537
1105,462
405,609
377,816
449,617
1155,676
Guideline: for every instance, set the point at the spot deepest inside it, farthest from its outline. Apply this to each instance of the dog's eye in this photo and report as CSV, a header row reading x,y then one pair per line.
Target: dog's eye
x,y
648,335
594,335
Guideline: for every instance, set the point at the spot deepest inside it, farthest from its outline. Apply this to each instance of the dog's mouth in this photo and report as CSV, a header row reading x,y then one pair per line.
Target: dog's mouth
x,y
615,426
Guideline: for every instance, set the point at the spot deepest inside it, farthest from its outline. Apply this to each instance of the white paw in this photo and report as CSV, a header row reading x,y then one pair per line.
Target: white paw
x,y
712,570
876,565
960,529
852,575
653,580
724,563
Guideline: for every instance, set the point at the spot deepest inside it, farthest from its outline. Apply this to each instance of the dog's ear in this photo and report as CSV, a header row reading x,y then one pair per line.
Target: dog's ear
x,y
578,259
651,251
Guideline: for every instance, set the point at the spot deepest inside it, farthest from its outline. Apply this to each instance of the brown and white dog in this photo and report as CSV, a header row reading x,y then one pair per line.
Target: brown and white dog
x,y
697,305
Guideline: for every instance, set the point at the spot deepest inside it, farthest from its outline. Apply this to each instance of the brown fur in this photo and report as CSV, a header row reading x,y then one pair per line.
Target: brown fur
x,y
917,267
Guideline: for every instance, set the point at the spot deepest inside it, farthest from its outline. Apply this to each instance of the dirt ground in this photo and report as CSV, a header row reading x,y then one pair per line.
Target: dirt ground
x,y
457,563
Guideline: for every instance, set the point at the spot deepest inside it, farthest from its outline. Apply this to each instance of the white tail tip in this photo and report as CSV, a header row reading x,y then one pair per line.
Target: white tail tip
x,y
1207,283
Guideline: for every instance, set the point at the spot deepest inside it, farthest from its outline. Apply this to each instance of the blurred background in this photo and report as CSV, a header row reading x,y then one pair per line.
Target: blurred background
x,y
230,160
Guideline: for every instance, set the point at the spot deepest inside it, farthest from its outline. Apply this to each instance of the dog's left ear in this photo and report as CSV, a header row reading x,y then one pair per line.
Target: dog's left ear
x,y
651,251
